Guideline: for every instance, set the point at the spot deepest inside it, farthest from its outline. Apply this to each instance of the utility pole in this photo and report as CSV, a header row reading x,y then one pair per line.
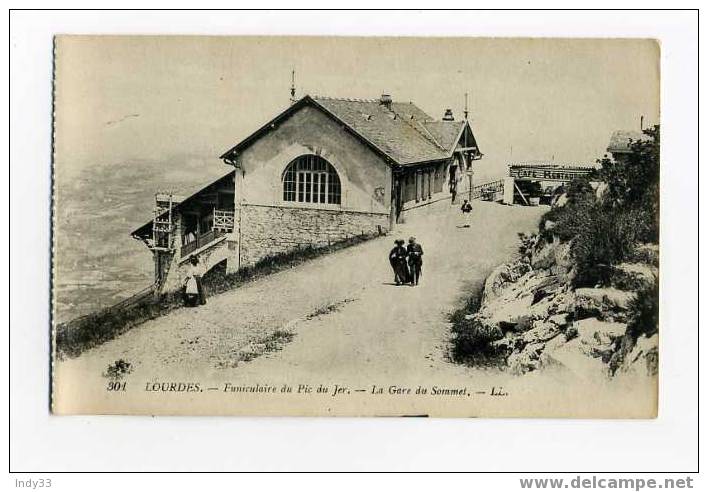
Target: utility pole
x,y
292,87
470,172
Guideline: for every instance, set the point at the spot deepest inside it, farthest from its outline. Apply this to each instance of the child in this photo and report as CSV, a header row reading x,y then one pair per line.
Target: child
x,y
466,213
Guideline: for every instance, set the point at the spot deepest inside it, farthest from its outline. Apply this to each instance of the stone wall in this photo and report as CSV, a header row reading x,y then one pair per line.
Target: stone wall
x,y
271,230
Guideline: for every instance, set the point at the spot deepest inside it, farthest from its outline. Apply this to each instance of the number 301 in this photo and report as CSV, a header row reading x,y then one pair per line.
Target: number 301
x,y
116,386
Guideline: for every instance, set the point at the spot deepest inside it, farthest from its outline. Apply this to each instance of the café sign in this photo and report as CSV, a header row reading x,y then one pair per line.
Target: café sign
x,y
548,173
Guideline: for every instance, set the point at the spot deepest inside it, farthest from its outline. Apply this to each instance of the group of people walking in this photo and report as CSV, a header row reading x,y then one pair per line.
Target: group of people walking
x,y
406,261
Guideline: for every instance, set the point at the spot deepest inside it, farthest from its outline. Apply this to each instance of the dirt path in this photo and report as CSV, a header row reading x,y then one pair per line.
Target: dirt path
x,y
401,332
349,321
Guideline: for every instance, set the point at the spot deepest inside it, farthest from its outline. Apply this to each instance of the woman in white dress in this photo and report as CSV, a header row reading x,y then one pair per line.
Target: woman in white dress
x,y
193,290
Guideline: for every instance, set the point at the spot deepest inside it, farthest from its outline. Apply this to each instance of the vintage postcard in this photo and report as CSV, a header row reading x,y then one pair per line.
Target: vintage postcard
x,y
315,226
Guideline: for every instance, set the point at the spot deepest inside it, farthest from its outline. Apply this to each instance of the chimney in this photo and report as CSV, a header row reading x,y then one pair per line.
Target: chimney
x,y
448,115
386,100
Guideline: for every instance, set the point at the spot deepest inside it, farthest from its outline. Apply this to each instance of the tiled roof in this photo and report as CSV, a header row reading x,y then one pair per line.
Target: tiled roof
x,y
409,109
621,140
444,132
396,131
402,132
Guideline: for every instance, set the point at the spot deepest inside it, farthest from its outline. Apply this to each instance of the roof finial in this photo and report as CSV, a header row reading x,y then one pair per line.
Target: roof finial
x,y
292,88
466,110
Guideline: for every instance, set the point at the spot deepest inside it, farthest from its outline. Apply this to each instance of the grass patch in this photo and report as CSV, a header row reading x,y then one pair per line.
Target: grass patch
x,y
76,336
270,343
471,341
118,370
276,340
328,309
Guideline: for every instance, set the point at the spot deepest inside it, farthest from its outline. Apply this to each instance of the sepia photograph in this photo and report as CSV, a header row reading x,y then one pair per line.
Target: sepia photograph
x,y
376,226
422,249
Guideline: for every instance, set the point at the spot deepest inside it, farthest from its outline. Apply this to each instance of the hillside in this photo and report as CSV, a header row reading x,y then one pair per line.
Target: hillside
x,y
97,263
584,292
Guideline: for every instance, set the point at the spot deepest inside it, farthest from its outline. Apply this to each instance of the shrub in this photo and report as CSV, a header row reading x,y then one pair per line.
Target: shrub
x,y
634,181
118,369
569,219
605,238
471,341
605,232
580,191
644,311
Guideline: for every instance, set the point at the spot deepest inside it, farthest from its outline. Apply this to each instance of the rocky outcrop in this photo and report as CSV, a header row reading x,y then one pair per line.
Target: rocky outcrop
x,y
533,318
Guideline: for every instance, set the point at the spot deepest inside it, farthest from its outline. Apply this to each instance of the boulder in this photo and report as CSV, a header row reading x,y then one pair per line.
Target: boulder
x,y
598,338
545,256
502,278
563,258
495,283
543,308
560,201
600,331
560,319
510,312
546,359
606,303
541,331
647,253
573,358
503,346
600,190
563,302
643,359
634,276
526,360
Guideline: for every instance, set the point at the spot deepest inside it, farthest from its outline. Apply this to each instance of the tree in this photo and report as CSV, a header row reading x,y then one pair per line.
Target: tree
x,y
633,183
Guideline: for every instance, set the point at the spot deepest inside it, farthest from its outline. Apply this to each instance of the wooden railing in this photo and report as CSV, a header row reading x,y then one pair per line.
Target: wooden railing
x,y
224,220
487,191
201,241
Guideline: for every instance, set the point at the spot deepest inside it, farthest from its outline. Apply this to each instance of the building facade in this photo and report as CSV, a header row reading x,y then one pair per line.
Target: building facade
x,y
321,171
621,141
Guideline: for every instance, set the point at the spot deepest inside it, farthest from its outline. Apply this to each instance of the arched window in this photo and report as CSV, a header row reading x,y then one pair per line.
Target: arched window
x,y
311,179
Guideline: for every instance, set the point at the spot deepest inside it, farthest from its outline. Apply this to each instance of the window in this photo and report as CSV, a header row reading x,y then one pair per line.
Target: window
x,y
311,179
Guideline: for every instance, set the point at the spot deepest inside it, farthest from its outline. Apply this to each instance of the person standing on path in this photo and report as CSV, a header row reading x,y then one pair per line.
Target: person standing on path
x,y
415,260
466,213
397,257
193,289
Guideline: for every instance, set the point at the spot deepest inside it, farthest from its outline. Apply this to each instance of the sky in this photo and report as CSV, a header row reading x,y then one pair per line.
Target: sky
x,y
182,101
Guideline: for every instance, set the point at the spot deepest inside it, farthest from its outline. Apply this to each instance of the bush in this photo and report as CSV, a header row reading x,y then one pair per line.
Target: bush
x,y
580,191
605,232
604,239
471,340
634,181
472,343
644,311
